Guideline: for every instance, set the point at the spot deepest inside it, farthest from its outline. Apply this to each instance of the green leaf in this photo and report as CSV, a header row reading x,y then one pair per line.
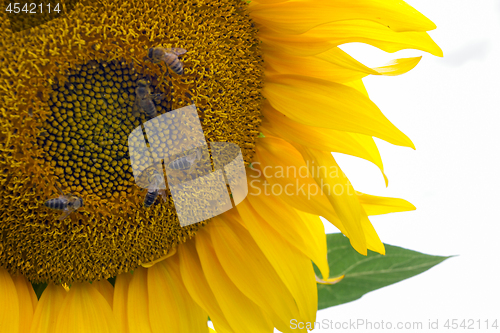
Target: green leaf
x,y
366,273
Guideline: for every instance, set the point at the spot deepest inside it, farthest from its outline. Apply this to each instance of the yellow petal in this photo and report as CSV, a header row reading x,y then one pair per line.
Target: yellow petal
x,y
25,295
197,286
373,242
375,205
341,59
294,268
284,63
297,188
106,290
9,303
138,303
85,310
339,192
297,17
315,226
120,301
48,309
376,35
330,105
171,309
398,66
344,199
330,281
231,300
308,235
326,139
251,272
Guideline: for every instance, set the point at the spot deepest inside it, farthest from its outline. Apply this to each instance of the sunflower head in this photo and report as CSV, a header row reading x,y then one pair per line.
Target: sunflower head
x,y
68,92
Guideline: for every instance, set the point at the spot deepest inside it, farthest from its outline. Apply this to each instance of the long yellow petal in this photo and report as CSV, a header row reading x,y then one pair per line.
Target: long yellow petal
x,y
137,303
326,139
315,226
48,309
376,35
26,307
338,57
330,105
197,286
85,310
375,205
120,301
171,309
297,17
9,303
339,192
251,319
284,63
251,272
344,198
373,242
294,229
341,59
294,268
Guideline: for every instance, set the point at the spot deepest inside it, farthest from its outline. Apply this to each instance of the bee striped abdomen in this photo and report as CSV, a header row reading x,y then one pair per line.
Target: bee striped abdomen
x,y
57,203
174,63
150,198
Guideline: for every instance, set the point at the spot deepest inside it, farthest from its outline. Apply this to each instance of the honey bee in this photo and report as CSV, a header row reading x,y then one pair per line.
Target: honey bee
x,y
185,162
169,56
153,190
144,99
68,203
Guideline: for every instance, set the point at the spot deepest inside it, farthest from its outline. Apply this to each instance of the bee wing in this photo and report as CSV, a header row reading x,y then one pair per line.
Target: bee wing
x,y
65,214
176,50
157,97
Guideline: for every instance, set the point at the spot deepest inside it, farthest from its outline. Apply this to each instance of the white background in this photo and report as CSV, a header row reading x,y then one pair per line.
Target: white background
x,y
450,108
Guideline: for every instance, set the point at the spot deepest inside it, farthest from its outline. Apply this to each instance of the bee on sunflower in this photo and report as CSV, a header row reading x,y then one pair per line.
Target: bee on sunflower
x,y
266,75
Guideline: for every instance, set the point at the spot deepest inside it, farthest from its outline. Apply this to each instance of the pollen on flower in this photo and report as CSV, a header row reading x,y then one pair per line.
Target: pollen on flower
x,y
67,90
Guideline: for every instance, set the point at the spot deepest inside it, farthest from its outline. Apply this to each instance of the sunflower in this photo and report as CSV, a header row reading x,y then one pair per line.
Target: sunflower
x,y
266,75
